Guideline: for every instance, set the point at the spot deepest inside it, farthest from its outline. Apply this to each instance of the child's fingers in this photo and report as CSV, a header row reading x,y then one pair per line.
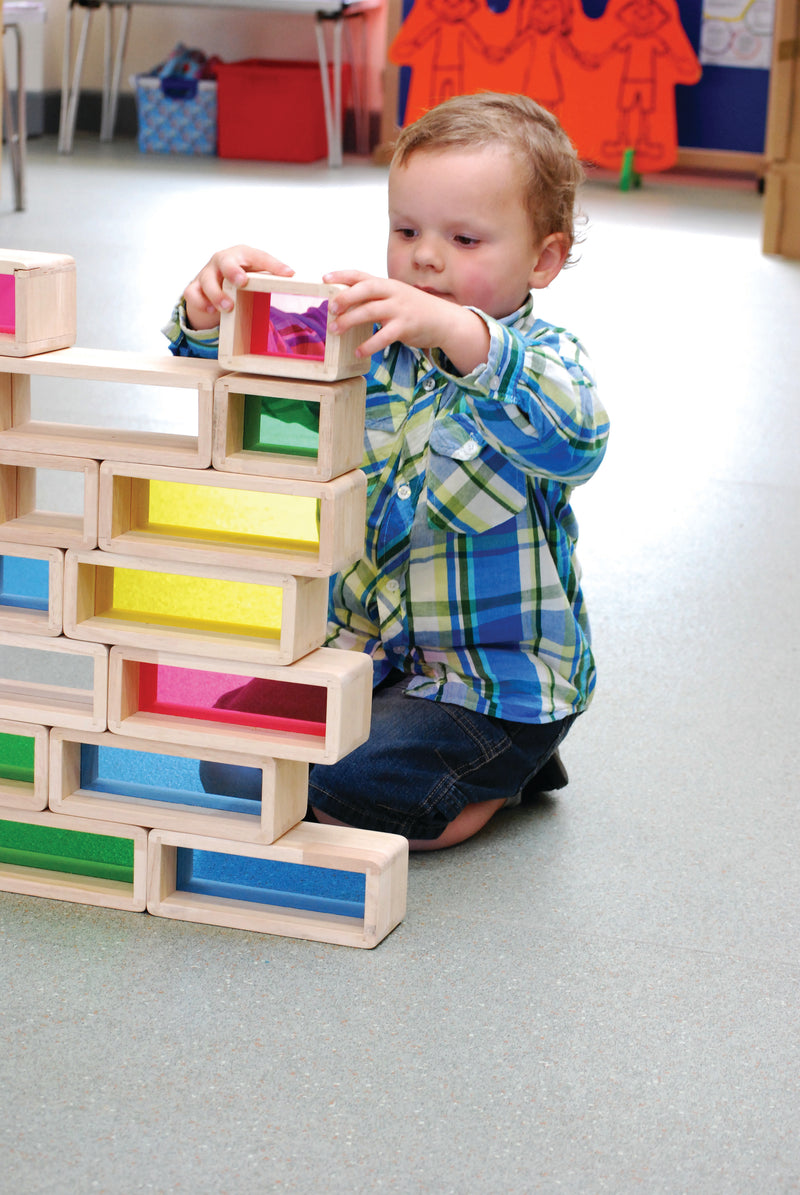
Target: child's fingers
x,y
383,336
236,262
362,303
345,277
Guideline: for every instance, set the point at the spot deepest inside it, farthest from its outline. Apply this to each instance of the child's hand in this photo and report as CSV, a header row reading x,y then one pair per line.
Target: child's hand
x,y
204,295
410,315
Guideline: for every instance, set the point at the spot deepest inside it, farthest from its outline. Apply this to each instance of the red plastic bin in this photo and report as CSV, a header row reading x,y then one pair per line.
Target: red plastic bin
x,y
272,110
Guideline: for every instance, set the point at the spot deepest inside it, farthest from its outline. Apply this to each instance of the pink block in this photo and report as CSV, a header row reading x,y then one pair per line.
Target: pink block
x,y
233,699
8,311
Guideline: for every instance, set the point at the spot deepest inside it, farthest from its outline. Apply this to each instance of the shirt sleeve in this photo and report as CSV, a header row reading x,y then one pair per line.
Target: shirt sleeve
x,y
535,401
189,342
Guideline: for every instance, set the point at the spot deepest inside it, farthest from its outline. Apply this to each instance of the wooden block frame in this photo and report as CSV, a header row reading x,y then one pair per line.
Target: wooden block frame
x,y
32,619
343,677
21,522
341,427
108,893
88,589
236,327
342,520
40,289
54,704
284,791
382,858
19,432
25,794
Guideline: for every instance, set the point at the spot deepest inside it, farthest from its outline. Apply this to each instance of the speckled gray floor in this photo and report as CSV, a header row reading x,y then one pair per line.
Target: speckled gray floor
x,y
598,994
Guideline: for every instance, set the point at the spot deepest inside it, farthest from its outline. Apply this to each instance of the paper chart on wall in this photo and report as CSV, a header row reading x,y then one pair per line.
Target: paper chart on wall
x,y
737,33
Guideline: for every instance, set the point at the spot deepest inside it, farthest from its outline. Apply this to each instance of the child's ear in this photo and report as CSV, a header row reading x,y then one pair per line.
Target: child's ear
x,y
552,253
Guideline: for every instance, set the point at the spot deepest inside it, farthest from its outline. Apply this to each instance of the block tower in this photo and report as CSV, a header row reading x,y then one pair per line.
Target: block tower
x,y
189,566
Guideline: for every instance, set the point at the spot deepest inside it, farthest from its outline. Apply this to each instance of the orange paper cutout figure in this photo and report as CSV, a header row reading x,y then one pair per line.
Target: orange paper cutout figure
x,y
644,52
444,43
610,80
545,35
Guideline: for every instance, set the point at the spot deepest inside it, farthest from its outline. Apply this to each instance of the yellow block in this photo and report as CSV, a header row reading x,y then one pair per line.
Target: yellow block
x,y
201,602
208,512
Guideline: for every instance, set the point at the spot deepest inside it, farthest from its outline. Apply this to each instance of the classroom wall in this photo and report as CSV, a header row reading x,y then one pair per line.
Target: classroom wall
x,y
231,34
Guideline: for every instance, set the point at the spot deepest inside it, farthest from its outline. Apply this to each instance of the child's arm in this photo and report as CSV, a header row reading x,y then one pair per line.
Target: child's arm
x,y
204,296
409,315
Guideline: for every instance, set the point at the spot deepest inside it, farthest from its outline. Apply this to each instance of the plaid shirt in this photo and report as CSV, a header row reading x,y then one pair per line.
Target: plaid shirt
x,y
469,579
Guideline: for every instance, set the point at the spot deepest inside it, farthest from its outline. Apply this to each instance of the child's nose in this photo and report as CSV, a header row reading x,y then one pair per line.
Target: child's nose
x,y
427,252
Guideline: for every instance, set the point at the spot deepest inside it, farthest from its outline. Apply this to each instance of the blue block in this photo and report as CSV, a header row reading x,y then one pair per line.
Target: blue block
x,y
269,882
169,778
24,582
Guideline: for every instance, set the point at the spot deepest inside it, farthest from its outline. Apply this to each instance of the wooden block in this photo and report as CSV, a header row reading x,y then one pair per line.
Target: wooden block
x,y
222,613
20,432
72,858
307,528
24,761
31,589
215,882
782,209
317,709
279,327
274,428
37,302
23,520
74,691
118,779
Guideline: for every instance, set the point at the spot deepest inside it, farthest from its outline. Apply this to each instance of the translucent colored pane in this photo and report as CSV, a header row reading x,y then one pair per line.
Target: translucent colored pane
x,y
203,602
72,851
8,298
16,757
210,512
286,326
35,666
24,582
266,881
149,776
286,425
191,693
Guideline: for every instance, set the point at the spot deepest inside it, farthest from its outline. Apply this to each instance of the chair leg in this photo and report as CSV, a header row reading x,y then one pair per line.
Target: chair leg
x,y
16,132
69,97
333,106
112,85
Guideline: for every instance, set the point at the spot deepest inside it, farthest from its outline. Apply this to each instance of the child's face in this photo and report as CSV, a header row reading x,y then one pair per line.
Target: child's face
x,y
458,228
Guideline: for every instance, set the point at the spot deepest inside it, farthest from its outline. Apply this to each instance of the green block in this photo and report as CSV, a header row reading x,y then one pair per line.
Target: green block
x,y
75,852
16,757
285,425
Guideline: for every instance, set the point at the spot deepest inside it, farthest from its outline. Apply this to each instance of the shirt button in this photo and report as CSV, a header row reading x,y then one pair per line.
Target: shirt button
x,y
471,449
392,586
404,491
429,384
495,382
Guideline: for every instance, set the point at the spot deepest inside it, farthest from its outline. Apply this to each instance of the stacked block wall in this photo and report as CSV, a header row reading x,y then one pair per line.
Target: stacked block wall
x,y
176,578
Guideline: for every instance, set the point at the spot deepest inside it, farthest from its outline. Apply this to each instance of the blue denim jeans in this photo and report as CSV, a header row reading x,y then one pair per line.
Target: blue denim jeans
x,y
423,763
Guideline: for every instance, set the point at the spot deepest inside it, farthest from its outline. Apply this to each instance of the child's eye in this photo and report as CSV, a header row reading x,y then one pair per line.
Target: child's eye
x,y
406,234
467,242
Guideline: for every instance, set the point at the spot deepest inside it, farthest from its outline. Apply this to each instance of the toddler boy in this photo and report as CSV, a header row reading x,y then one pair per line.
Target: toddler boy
x,y
480,420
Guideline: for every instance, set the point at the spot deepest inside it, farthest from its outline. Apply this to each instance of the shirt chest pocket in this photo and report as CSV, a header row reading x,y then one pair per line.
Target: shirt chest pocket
x,y
471,488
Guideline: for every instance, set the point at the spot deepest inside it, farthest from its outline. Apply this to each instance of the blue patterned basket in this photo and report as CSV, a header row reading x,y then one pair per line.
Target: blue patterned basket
x,y
174,118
